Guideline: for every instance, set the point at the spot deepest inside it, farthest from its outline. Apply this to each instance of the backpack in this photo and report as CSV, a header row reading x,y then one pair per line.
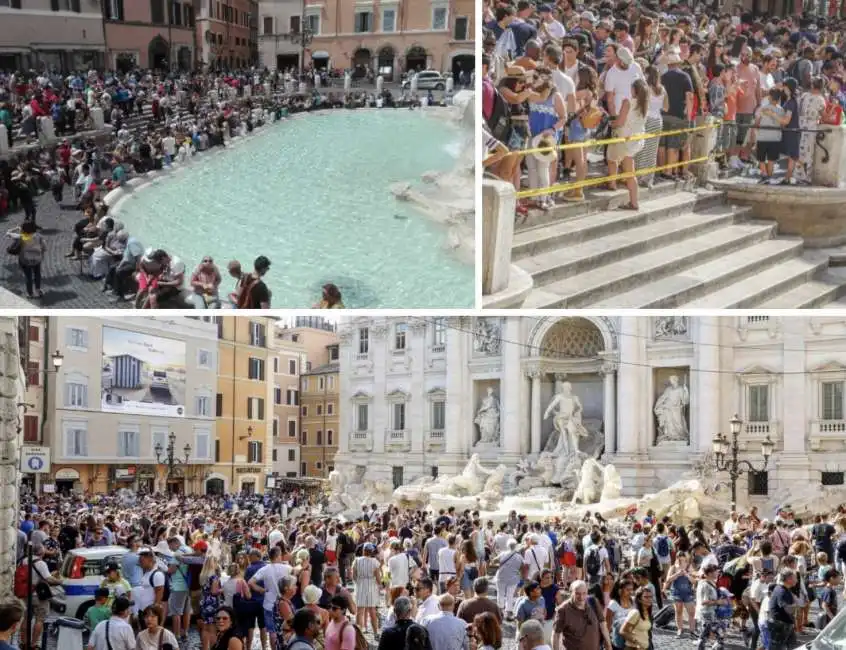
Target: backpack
x,y
166,594
500,120
840,553
592,563
360,640
662,546
348,546
22,585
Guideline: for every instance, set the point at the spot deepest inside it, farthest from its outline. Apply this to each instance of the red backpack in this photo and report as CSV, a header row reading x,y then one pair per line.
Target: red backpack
x,y
21,586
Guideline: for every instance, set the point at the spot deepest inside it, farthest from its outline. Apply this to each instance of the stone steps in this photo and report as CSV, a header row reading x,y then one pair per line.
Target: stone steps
x,y
608,284
573,230
762,285
595,252
703,279
684,248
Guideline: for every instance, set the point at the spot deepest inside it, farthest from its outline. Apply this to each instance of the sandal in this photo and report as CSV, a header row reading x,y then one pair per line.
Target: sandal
x,y
629,206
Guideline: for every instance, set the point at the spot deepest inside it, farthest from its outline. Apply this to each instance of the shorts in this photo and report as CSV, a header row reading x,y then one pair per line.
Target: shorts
x,y
40,608
744,121
768,151
179,603
270,621
728,136
672,123
682,596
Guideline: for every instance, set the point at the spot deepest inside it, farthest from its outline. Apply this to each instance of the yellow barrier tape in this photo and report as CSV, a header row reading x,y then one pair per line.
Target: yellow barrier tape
x,y
590,182
631,138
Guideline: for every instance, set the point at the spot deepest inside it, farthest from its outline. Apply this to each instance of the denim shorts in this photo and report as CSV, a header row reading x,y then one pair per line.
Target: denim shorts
x,y
270,621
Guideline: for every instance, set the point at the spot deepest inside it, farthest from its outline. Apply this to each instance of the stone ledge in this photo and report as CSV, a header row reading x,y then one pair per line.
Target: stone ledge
x,y
817,214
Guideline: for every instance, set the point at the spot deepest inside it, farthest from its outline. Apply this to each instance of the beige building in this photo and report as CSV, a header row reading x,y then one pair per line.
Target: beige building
x,y
278,21
245,382
392,36
56,34
289,359
127,387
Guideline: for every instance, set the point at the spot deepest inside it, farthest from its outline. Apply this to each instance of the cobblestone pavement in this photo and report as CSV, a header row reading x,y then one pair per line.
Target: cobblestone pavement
x,y
63,282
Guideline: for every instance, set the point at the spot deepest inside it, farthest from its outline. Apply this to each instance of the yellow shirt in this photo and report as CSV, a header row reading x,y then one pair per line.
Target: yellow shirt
x,y
639,630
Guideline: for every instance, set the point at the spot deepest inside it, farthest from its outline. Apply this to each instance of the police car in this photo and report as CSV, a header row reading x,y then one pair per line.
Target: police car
x,y
81,573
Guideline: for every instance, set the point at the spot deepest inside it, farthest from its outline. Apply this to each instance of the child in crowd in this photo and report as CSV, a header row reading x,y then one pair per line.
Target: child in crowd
x,y
100,610
769,120
828,599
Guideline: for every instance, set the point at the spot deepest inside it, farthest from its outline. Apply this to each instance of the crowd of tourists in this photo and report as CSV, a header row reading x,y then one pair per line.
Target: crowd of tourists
x,y
559,73
183,116
446,580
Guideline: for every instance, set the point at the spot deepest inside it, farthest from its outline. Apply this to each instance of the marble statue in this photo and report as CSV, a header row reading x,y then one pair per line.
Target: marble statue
x,y
670,327
612,484
566,410
487,419
589,488
669,409
486,339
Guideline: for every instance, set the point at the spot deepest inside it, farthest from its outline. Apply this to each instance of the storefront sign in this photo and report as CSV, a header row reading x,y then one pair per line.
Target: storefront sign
x,y
125,474
35,460
248,470
48,488
67,474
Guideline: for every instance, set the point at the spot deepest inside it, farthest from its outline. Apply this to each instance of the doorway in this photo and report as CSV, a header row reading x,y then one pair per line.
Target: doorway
x,y
397,476
285,62
214,487
248,487
463,63
386,63
415,59
176,486
64,487
157,55
361,63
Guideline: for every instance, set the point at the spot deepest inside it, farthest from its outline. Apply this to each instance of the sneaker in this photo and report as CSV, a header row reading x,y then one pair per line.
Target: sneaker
x,y
574,196
764,180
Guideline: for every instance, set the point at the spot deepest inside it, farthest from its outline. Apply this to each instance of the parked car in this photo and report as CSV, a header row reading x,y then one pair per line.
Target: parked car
x,y
427,80
81,573
159,380
833,636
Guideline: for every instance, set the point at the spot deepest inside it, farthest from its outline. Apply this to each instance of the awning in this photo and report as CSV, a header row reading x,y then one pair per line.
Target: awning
x,y
320,54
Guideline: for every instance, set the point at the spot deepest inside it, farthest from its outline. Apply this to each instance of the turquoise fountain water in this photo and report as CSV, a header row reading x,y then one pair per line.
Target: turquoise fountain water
x,y
313,195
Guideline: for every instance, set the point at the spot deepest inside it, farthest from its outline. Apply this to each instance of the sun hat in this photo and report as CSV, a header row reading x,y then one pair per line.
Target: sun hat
x,y
542,141
625,55
588,16
312,594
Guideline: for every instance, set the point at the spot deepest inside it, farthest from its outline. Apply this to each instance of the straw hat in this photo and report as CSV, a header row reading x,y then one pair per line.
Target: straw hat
x,y
312,594
541,142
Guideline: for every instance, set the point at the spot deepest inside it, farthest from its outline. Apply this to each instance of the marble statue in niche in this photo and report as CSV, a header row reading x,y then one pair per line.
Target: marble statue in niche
x,y
669,409
488,419
486,337
562,449
669,327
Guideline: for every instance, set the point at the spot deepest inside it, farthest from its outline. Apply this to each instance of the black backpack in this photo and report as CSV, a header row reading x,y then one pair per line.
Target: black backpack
x,y
166,594
592,563
840,551
499,121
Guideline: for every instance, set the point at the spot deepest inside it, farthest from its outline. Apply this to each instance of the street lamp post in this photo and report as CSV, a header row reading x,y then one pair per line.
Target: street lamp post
x,y
303,38
168,457
726,460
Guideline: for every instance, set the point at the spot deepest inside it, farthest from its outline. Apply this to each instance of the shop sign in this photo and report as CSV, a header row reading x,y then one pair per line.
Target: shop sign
x,y
249,470
125,473
67,474
49,488
35,460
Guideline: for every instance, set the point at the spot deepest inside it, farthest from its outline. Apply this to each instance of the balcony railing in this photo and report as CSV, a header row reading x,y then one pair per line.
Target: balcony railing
x,y
827,430
758,428
361,441
362,356
397,440
436,440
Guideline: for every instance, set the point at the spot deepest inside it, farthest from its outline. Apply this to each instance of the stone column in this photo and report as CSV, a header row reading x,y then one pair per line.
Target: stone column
x,y
705,416
418,418
510,386
629,421
609,417
347,410
381,409
11,393
795,385
535,375
456,387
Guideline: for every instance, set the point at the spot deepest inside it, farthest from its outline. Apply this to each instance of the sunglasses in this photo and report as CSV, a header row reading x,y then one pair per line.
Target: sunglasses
x,y
335,607
221,618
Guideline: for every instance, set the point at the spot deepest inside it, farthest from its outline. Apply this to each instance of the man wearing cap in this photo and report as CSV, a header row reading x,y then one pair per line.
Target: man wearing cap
x,y
151,590
115,584
549,25
680,97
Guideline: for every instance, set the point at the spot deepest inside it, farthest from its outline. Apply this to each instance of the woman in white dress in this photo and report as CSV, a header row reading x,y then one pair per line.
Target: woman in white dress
x,y
631,121
366,571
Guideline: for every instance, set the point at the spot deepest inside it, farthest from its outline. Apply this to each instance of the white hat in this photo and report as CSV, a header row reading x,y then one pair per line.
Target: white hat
x,y
312,594
625,55
587,15
672,58
540,142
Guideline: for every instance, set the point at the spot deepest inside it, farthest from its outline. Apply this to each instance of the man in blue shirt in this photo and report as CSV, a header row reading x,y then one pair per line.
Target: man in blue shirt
x,y
780,615
255,610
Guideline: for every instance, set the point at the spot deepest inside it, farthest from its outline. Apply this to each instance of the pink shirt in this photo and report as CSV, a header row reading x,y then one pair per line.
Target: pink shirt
x,y
332,639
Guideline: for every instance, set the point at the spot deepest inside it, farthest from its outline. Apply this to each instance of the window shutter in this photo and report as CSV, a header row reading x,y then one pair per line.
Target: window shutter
x,y
69,436
30,428
120,9
261,409
83,444
54,5
75,6
259,450
249,408
16,4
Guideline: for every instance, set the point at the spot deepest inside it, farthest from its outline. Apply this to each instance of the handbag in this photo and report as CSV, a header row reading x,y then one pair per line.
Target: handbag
x,y
15,247
42,589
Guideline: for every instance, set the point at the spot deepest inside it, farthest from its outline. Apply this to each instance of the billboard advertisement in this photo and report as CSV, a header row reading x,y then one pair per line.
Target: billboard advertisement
x,y
142,374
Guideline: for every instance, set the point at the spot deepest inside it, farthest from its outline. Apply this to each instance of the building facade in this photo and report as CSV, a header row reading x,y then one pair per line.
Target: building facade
x,y
411,390
289,359
36,363
278,21
244,405
391,37
59,35
125,389
157,34
223,33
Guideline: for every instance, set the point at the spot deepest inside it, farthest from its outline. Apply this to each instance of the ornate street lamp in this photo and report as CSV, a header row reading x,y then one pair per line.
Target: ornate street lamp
x,y
168,457
726,460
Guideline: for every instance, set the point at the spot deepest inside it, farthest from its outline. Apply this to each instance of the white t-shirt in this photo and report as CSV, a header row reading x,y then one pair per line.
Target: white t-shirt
x,y
619,82
564,85
169,145
555,29
500,542
446,562
146,592
573,73
269,576
399,566
428,607
536,557
121,636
